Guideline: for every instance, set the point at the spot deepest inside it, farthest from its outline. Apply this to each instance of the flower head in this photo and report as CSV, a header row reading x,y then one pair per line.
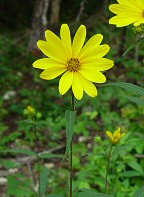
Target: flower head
x,y
127,12
80,65
98,139
30,111
116,136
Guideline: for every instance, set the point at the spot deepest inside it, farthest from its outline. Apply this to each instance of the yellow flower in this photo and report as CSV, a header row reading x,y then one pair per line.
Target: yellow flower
x,y
30,110
127,12
116,136
80,64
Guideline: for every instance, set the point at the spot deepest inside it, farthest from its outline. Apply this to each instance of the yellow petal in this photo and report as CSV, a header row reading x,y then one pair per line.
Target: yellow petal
x,y
132,3
116,134
79,40
123,9
122,135
100,64
65,82
46,63
140,3
97,52
66,39
93,75
77,87
118,129
88,86
56,42
94,41
109,134
137,23
121,20
52,73
52,51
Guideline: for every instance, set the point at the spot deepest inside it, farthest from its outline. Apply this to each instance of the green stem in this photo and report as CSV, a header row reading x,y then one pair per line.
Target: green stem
x,y
71,170
38,158
107,170
71,156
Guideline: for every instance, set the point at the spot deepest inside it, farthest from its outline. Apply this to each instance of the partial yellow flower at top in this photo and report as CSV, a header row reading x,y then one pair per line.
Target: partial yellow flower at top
x,y
116,136
80,65
127,12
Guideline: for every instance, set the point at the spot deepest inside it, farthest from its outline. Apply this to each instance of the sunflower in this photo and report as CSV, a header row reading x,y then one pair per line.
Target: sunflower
x,y
116,136
127,12
80,65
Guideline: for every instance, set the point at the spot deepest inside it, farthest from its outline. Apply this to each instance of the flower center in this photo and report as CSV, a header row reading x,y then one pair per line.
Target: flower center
x,y
73,65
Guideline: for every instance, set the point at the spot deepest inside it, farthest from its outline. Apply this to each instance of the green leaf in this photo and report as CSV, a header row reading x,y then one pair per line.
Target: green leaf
x,y
10,164
19,186
20,151
120,194
70,122
135,100
49,155
120,149
128,86
138,42
131,174
139,193
43,181
55,195
91,194
134,165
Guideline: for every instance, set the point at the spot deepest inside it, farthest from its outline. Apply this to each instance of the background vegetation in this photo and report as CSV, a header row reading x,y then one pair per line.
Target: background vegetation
x,y
114,107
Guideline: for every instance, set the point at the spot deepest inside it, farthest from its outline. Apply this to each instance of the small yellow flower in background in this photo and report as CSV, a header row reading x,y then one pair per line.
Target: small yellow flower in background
x,y
116,136
127,12
80,65
29,111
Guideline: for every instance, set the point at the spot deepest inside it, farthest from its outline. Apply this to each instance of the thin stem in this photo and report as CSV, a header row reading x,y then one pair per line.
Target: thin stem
x,y
72,102
71,156
31,175
71,170
136,53
38,158
107,170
